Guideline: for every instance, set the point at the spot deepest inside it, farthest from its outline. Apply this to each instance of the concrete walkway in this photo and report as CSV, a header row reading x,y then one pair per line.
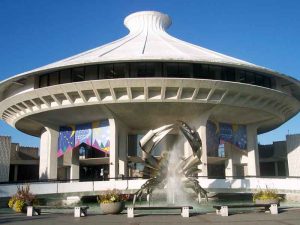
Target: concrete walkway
x,y
290,217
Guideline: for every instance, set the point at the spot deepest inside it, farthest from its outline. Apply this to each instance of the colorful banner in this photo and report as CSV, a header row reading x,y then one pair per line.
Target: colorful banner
x,y
240,136
66,139
83,134
212,137
94,134
220,133
100,139
226,134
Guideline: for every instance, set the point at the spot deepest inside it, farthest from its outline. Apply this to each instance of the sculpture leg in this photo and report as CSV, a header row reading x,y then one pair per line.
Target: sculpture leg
x,y
199,198
134,199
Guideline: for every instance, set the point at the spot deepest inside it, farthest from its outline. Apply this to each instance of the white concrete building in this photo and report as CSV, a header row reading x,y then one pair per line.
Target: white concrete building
x,y
90,109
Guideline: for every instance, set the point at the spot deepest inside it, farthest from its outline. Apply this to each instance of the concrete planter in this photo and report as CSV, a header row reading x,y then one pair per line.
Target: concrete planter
x,y
266,201
112,208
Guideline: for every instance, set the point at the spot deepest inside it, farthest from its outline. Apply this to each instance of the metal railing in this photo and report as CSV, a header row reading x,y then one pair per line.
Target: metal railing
x,y
136,178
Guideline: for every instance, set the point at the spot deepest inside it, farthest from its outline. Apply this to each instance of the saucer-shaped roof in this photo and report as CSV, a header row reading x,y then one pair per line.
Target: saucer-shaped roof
x,y
147,41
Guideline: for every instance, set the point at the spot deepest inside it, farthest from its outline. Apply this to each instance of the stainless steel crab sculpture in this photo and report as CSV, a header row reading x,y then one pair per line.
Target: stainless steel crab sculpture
x,y
158,168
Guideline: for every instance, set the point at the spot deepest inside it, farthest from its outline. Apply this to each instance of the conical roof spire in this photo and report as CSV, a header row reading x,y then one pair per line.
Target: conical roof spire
x,y
147,21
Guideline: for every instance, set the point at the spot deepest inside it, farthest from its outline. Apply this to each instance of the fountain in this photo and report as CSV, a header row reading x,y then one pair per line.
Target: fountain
x,y
172,170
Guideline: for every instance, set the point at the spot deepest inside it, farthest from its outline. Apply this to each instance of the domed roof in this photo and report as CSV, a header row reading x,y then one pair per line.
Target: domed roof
x,y
148,40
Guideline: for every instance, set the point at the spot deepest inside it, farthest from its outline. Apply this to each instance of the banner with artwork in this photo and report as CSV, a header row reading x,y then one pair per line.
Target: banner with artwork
x,y
220,133
226,134
66,139
240,136
212,137
95,134
83,134
100,140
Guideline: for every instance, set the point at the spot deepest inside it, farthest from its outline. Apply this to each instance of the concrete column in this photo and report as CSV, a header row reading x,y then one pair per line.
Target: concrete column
x,y
229,167
15,172
276,168
113,152
202,132
286,166
48,154
253,158
5,155
123,152
200,124
293,154
74,169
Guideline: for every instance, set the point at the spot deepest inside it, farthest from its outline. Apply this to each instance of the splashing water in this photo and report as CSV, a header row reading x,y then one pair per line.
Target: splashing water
x,y
174,188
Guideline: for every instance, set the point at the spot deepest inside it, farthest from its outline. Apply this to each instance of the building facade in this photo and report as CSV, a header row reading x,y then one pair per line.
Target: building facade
x,y
18,163
91,109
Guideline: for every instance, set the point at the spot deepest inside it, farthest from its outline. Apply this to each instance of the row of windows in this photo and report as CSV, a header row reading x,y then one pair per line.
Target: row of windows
x,y
153,69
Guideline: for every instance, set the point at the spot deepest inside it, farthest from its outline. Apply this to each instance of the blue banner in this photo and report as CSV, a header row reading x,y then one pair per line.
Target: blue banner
x,y
219,133
83,134
66,139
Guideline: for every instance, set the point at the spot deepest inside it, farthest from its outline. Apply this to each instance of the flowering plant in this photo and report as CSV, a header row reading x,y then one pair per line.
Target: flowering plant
x,y
22,198
266,195
112,196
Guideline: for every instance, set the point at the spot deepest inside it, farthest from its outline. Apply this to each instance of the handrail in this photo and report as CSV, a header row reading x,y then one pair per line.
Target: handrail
x,y
135,178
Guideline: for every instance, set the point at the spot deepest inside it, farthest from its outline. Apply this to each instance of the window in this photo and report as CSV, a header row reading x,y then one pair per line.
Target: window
x,y
119,70
259,80
91,72
78,74
250,78
111,71
184,70
215,72
155,69
268,82
65,76
221,151
201,71
228,74
171,69
54,78
145,69
44,80
241,76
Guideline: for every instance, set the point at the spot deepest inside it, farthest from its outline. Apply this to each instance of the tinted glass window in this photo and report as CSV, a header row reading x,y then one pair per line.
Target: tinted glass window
x,y
78,74
44,80
201,71
259,80
267,82
228,74
119,70
108,71
215,72
111,71
54,78
250,78
171,69
155,69
145,69
91,72
241,76
184,70
65,76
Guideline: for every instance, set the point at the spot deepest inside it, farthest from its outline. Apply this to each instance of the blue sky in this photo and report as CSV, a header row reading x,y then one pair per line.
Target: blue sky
x,y
34,33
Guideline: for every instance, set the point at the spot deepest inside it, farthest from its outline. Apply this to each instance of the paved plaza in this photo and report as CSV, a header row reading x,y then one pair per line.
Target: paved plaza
x,y
286,217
